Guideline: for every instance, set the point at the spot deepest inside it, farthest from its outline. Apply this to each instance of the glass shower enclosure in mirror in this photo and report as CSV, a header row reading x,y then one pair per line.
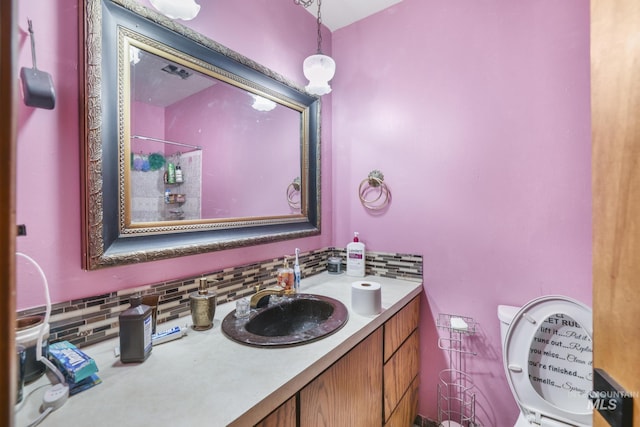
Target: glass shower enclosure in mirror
x,y
189,147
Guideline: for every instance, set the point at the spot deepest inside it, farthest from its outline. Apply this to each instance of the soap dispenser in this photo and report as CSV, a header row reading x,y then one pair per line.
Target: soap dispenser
x,y
356,257
203,306
285,277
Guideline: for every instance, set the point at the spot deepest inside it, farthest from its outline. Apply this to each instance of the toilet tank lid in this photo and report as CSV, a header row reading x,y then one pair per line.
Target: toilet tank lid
x,y
507,312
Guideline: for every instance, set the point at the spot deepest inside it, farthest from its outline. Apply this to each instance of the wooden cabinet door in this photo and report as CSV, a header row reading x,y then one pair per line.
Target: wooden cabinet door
x,y
400,326
401,365
284,416
349,393
407,409
400,372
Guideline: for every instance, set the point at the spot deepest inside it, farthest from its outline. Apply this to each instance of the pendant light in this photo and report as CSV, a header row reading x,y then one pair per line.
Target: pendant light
x,y
177,9
261,103
318,68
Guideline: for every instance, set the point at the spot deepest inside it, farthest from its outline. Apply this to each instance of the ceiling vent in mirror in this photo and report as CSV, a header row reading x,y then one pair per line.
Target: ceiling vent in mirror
x,y
180,72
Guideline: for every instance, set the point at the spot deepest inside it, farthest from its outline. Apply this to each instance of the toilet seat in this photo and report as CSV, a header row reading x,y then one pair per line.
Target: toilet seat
x,y
546,345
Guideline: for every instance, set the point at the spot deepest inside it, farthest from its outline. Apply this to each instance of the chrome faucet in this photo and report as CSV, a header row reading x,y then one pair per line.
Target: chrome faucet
x,y
257,297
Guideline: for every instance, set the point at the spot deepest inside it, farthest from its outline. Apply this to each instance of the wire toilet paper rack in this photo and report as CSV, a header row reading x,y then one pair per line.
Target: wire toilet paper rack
x,y
456,391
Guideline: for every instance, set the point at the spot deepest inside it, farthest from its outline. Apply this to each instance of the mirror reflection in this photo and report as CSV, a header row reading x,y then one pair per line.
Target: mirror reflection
x,y
201,148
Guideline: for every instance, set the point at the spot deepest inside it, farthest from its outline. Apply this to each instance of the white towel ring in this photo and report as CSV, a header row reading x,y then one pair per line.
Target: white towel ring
x,y
375,180
292,190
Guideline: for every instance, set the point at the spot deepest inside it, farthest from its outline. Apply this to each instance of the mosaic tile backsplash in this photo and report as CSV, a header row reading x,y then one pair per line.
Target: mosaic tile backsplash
x,y
90,320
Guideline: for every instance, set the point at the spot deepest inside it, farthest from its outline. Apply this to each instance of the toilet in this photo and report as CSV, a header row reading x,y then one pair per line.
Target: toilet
x,y
547,356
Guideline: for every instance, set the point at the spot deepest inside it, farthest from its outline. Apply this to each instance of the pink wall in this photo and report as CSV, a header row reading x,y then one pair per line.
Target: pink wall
x,y
275,33
147,120
478,115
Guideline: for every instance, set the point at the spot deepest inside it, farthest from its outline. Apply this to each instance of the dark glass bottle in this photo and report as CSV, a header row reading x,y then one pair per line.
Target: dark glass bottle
x,y
135,331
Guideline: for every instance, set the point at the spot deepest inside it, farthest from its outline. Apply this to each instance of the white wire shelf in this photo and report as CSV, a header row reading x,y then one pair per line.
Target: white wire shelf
x,y
456,323
456,391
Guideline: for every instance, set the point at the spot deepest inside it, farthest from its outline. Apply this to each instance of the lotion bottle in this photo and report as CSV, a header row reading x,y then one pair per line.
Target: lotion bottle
x,y
355,257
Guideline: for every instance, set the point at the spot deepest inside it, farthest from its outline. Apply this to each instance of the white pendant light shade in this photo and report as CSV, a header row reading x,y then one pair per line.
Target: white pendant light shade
x,y
177,9
261,103
134,55
319,69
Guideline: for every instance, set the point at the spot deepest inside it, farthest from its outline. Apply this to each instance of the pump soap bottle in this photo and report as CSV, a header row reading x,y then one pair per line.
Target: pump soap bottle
x,y
135,331
285,277
203,306
355,257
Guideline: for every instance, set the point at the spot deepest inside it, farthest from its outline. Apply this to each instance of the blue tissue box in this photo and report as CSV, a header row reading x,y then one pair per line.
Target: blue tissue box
x,y
72,362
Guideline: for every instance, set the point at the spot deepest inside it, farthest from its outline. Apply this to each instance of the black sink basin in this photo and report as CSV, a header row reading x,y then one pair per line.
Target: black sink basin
x,y
297,319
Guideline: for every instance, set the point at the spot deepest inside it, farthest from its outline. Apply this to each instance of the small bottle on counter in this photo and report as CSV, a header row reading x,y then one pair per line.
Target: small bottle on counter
x,y
286,277
203,306
334,265
135,331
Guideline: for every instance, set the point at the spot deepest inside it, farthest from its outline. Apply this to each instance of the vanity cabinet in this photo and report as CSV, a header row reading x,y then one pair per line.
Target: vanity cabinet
x,y
374,384
401,366
349,392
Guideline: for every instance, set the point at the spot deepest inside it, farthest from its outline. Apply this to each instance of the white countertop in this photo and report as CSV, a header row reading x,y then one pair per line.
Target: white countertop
x,y
206,378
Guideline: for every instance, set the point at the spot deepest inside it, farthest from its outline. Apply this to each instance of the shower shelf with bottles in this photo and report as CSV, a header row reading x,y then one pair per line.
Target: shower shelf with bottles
x,y
456,391
174,200
172,177
178,199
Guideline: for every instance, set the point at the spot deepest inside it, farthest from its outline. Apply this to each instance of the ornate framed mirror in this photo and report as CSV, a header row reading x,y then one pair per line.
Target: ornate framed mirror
x,y
188,147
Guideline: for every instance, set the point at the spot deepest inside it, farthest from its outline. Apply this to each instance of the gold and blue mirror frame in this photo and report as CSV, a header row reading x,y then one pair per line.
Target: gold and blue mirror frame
x,y
108,237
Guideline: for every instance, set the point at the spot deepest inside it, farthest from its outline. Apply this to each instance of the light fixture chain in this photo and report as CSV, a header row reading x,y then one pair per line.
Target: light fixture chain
x,y
307,3
319,24
304,3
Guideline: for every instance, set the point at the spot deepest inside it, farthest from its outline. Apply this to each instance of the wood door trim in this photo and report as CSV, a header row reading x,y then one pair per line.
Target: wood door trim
x,y
615,107
8,120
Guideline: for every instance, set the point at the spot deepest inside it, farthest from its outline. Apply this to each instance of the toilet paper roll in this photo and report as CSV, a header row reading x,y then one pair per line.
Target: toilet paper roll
x,y
366,297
